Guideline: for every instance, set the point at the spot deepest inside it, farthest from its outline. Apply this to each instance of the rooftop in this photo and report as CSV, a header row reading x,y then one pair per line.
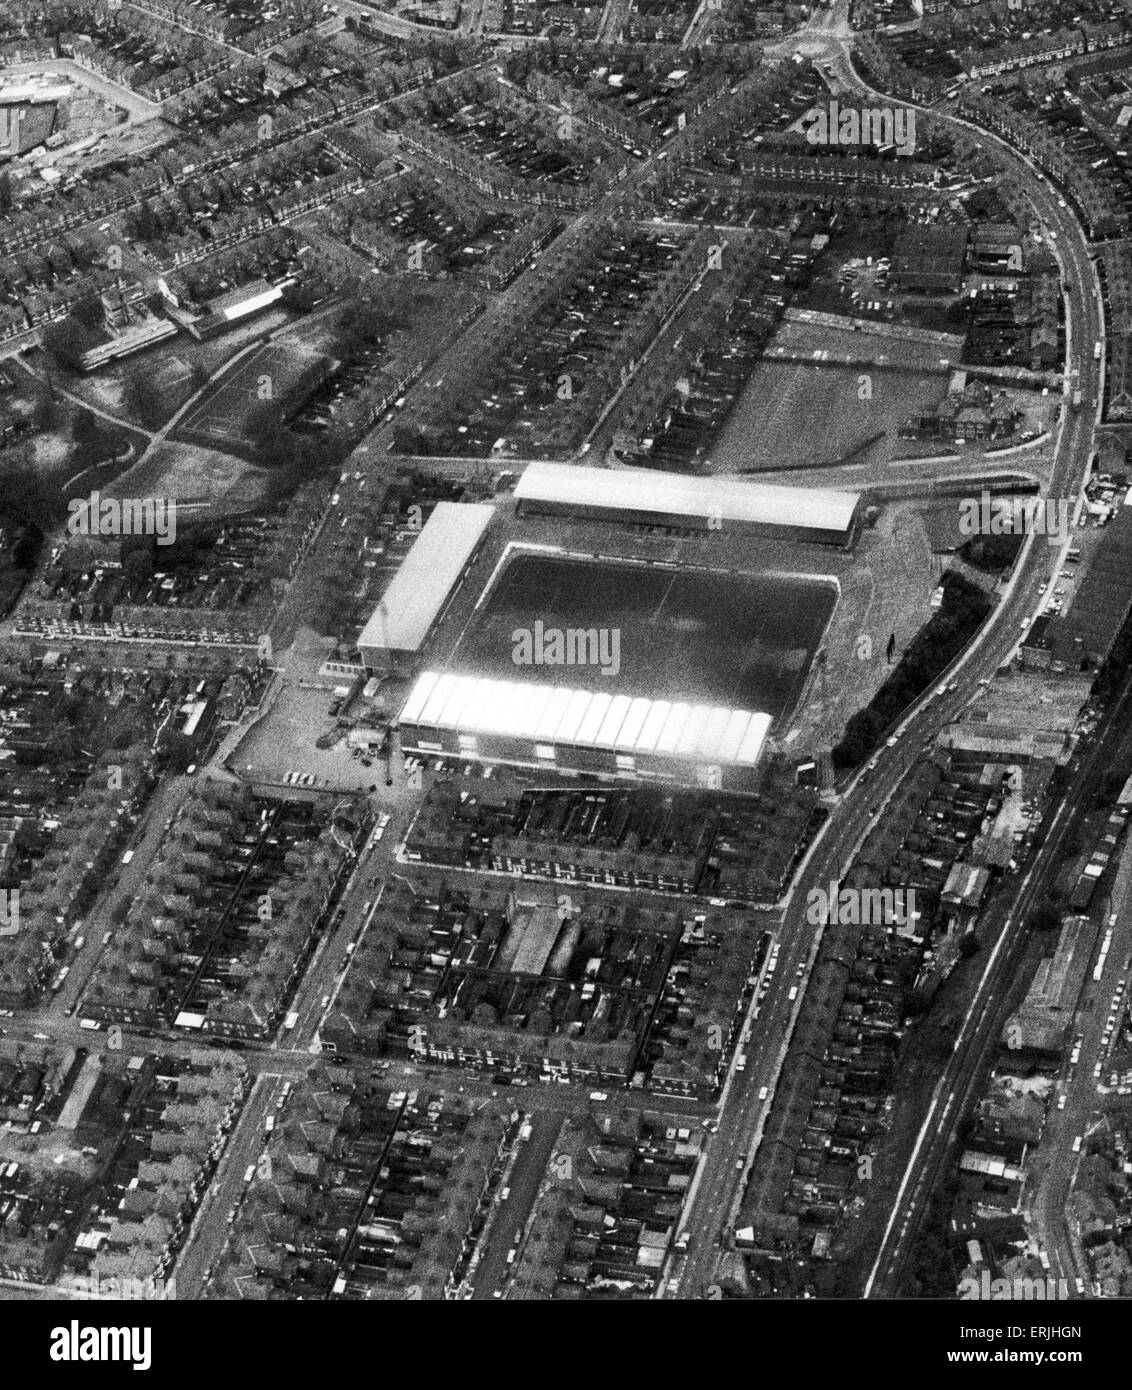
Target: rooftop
x,y
420,588
585,718
728,499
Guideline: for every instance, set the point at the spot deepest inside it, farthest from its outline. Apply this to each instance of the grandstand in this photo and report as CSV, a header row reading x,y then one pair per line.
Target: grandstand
x,y
553,727
645,497
422,588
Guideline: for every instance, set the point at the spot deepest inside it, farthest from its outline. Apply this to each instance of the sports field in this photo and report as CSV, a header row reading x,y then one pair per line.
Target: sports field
x,y
265,386
739,640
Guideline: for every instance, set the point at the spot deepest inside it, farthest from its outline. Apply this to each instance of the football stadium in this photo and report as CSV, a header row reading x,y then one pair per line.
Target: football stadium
x,y
684,614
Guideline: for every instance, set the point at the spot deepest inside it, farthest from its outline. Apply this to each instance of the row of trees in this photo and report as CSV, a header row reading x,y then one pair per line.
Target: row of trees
x,y
964,607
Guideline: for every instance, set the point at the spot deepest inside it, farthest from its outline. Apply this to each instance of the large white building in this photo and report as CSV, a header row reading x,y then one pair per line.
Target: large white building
x,y
560,728
646,497
421,589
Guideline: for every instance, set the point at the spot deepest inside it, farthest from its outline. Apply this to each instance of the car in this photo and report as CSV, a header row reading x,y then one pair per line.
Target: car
x,y
326,1001
249,1172
1061,1102
712,1126
511,1255
1042,588
1024,624
891,742
738,1165
504,1193
941,690
764,1091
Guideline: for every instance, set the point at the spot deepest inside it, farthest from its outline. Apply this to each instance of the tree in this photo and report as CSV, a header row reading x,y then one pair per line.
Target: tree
x,y
143,398
67,340
137,566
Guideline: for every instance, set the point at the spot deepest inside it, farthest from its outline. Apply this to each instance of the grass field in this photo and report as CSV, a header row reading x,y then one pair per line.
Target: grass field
x,y
793,415
275,376
744,641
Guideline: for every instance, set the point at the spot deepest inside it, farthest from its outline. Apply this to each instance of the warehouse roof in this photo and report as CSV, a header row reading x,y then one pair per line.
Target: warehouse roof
x,y
585,718
421,587
683,494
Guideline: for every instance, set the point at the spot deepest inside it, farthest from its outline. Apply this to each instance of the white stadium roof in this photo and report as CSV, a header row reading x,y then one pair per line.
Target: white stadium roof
x,y
684,494
585,718
420,588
